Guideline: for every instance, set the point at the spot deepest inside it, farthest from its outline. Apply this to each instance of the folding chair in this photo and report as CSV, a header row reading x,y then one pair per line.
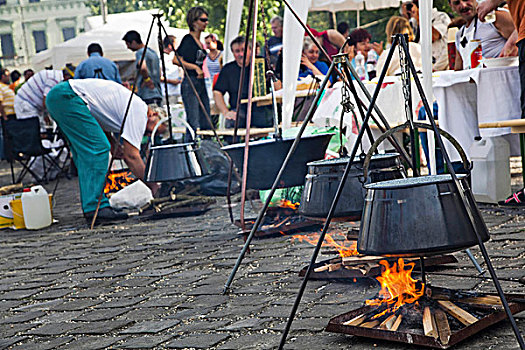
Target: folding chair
x,y
23,144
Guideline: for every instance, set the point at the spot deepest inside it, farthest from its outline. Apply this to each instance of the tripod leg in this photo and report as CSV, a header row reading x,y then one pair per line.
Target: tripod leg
x,y
335,200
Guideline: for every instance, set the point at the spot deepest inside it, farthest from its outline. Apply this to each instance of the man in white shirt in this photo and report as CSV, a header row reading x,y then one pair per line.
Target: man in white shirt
x,y
87,111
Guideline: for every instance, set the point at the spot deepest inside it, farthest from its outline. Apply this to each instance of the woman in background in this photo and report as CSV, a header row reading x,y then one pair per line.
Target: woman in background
x,y
192,53
399,25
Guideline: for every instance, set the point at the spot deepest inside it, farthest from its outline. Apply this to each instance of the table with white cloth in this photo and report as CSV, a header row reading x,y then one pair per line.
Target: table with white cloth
x,y
470,97
390,102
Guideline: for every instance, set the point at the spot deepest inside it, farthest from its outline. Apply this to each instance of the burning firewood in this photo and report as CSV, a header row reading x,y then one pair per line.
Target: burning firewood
x,y
457,312
397,323
429,325
442,326
388,323
356,321
369,324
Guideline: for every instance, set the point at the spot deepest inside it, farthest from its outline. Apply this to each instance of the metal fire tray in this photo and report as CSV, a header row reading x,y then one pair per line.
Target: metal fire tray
x,y
336,325
355,272
299,224
193,210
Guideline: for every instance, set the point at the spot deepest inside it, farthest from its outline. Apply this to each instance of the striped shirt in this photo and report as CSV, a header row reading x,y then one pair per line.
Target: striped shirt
x,y
37,87
7,97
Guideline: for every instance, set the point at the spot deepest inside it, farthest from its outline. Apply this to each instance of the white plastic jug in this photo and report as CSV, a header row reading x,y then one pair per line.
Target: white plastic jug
x,y
490,169
36,208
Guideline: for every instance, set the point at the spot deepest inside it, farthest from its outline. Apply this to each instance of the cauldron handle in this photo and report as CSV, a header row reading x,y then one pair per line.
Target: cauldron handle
x,y
162,120
457,146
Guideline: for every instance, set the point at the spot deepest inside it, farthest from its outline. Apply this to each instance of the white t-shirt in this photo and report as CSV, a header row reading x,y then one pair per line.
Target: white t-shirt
x,y
107,102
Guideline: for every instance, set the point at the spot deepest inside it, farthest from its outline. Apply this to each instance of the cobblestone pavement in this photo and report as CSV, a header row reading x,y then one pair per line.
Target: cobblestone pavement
x,y
157,284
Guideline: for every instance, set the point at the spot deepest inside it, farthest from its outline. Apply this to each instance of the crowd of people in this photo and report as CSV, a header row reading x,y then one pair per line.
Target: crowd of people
x,y
88,104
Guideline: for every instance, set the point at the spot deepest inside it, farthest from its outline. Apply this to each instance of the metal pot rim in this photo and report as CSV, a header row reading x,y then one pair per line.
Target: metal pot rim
x,y
412,182
171,145
357,159
271,140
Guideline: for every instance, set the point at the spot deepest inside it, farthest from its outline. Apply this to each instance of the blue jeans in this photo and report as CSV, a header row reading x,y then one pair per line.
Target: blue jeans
x,y
194,114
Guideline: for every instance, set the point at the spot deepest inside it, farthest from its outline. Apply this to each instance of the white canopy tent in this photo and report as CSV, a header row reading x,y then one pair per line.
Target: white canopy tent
x,y
108,35
334,6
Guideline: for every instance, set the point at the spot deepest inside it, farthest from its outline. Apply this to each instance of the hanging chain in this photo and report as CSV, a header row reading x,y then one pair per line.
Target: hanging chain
x,y
405,80
346,99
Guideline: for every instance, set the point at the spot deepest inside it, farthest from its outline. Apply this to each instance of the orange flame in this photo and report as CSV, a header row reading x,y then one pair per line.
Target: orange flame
x,y
117,180
397,286
285,203
345,248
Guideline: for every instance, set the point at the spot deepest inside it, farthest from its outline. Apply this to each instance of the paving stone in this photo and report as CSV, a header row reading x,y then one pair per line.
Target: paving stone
x,y
50,329
52,294
44,305
145,342
92,343
18,294
254,341
44,344
100,315
22,317
198,341
150,327
120,302
244,324
163,302
101,327
137,282
10,330
7,342
75,305
142,314
60,316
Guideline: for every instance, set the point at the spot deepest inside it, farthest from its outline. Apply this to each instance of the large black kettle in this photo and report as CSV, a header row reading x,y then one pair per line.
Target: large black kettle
x,y
172,162
266,157
324,177
418,216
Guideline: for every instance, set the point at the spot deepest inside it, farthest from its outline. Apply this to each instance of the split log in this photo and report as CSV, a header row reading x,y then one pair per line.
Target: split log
x,y
359,259
369,324
397,323
334,267
428,324
322,268
356,321
482,300
388,322
457,312
442,326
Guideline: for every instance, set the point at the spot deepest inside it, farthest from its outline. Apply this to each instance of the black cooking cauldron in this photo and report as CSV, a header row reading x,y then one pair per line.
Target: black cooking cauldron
x,y
418,216
267,156
323,179
174,162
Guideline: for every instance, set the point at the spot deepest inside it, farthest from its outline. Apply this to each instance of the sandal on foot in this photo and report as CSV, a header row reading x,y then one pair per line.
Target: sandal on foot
x,y
517,199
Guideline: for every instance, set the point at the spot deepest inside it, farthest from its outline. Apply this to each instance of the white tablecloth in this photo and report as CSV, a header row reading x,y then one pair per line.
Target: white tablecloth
x,y
467,98
390,101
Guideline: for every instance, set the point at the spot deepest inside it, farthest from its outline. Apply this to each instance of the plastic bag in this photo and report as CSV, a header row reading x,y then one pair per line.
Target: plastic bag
x,y
132,196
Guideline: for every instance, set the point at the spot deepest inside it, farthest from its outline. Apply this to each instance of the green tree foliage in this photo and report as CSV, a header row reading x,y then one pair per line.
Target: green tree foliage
x,y
176,10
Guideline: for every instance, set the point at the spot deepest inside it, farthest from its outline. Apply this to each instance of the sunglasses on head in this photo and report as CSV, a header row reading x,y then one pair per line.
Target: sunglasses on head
x,y
205,20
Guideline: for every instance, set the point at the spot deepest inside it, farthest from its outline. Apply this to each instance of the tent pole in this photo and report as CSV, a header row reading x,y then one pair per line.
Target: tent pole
x,y
358,19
